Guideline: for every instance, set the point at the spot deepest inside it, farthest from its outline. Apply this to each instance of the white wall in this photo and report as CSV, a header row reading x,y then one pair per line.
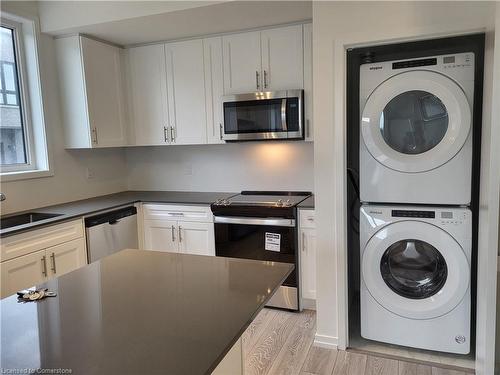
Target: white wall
x,y
143,26
69,181
488,245
56,16
229,167
337,26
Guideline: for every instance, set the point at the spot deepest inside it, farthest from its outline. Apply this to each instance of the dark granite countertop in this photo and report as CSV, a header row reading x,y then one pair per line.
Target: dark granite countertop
x,y
307,203
84,207
139,312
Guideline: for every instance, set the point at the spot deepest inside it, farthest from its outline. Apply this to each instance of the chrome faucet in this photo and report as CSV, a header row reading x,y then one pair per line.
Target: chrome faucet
x,y
2,197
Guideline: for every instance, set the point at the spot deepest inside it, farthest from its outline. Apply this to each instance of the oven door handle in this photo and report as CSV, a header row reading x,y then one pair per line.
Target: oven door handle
x,y
277,222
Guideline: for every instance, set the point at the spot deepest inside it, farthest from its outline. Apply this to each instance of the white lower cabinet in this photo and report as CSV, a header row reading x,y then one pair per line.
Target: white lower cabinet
x,y
66,257
196,238
191,233
23,272
31,262
161,235
307,244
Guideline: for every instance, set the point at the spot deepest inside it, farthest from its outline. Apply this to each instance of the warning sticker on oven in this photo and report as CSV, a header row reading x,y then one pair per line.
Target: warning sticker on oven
x,y
273,241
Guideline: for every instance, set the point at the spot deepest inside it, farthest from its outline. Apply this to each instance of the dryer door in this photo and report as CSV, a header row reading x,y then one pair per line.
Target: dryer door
x,y
416,121
415,270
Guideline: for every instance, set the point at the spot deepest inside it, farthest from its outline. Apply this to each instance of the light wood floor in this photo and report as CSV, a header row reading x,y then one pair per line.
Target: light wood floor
x,y
280,343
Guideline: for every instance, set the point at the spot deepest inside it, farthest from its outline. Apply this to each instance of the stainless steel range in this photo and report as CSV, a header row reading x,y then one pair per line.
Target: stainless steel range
x,y
262,225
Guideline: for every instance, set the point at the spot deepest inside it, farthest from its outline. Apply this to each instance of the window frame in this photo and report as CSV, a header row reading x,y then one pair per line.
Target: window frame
x,y
24,104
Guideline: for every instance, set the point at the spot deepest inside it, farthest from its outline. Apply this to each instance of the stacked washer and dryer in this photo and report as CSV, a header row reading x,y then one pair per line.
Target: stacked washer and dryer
x,y
415,189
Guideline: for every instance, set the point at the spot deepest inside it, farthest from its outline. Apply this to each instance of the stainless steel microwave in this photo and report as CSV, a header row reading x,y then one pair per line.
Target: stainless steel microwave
x,y
263,116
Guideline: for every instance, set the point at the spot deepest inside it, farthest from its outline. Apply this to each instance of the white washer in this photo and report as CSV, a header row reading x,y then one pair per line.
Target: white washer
x,y
416,130
415,276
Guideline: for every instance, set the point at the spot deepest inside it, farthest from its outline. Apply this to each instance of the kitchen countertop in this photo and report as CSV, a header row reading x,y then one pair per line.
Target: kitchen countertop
x,y
84,207
307,203
139,312
89,206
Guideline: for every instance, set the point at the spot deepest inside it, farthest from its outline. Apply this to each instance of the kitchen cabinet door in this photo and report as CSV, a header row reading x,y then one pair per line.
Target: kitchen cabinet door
x,y
161,235
282,58
186,92
104,93
196,238
242,63
214,88
308,83
66,257
308,262
23,272
148,95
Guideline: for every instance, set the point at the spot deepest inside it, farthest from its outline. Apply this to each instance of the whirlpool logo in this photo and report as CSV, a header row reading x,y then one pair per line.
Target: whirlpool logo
x,y
375,212
375,67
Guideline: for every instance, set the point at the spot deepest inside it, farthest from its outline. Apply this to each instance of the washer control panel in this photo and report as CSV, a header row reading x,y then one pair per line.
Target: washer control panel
x,y
454,218
457,61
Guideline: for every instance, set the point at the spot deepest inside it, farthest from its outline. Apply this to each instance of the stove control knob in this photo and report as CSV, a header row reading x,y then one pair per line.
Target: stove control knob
x,y
279,203
288,203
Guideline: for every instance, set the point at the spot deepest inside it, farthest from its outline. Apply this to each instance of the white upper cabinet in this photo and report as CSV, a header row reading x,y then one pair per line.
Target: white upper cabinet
x,y
308,82
148,95
282,58
242,63
214,88
91,93
186,92
264,60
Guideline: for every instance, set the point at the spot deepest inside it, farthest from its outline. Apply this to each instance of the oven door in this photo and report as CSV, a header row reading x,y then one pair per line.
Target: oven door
x,y
261,116
268,239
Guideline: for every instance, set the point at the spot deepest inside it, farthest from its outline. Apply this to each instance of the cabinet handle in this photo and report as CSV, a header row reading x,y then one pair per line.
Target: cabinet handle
x,y
308,128
165,134
44,266
53,259
173,233
257,79
220,131
172,134
180,234
265,79
303,242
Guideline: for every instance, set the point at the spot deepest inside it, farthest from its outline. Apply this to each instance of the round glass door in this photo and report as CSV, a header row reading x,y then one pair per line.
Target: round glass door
x,y
413,269
414,122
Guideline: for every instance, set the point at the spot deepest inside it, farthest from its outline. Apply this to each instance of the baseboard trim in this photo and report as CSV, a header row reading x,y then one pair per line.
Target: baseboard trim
x,y
327,342
309,304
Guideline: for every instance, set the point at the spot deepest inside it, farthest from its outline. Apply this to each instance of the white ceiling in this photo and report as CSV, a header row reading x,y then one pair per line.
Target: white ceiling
x,y
163,20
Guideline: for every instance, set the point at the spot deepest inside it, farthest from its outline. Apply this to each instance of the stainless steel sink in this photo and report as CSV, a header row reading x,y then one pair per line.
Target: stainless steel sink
x,y
25,218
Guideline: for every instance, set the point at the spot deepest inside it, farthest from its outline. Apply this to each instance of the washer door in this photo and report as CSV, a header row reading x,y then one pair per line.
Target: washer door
x,y
416,121
415,270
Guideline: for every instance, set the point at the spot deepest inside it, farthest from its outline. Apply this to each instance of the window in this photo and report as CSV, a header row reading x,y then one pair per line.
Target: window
x,y
23,147
14,146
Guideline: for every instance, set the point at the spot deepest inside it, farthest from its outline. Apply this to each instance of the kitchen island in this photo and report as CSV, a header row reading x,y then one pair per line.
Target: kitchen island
x,y
141,312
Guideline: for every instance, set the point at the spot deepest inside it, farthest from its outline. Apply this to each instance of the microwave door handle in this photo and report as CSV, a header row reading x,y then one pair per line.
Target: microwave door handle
x,y
284,126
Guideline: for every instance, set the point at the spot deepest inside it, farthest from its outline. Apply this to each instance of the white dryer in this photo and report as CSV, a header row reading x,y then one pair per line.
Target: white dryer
x,y
416,130
415,276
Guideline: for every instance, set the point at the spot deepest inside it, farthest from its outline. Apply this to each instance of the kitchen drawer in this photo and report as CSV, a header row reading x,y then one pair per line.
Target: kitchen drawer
x,y
37,239
178,212
307,218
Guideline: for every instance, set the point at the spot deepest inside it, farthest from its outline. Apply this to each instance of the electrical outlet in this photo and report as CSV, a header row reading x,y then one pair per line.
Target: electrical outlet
x,y
188,169
90,173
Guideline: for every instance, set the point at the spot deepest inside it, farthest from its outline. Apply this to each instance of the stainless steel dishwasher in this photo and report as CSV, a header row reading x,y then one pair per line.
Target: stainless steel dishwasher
x,y
110,232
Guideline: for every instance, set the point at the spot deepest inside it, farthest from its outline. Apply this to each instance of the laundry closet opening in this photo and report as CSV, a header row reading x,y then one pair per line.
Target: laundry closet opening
x,y
413,156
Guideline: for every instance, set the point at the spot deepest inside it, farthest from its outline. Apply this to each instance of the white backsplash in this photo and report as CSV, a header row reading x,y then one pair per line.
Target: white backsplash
x,y
228,167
